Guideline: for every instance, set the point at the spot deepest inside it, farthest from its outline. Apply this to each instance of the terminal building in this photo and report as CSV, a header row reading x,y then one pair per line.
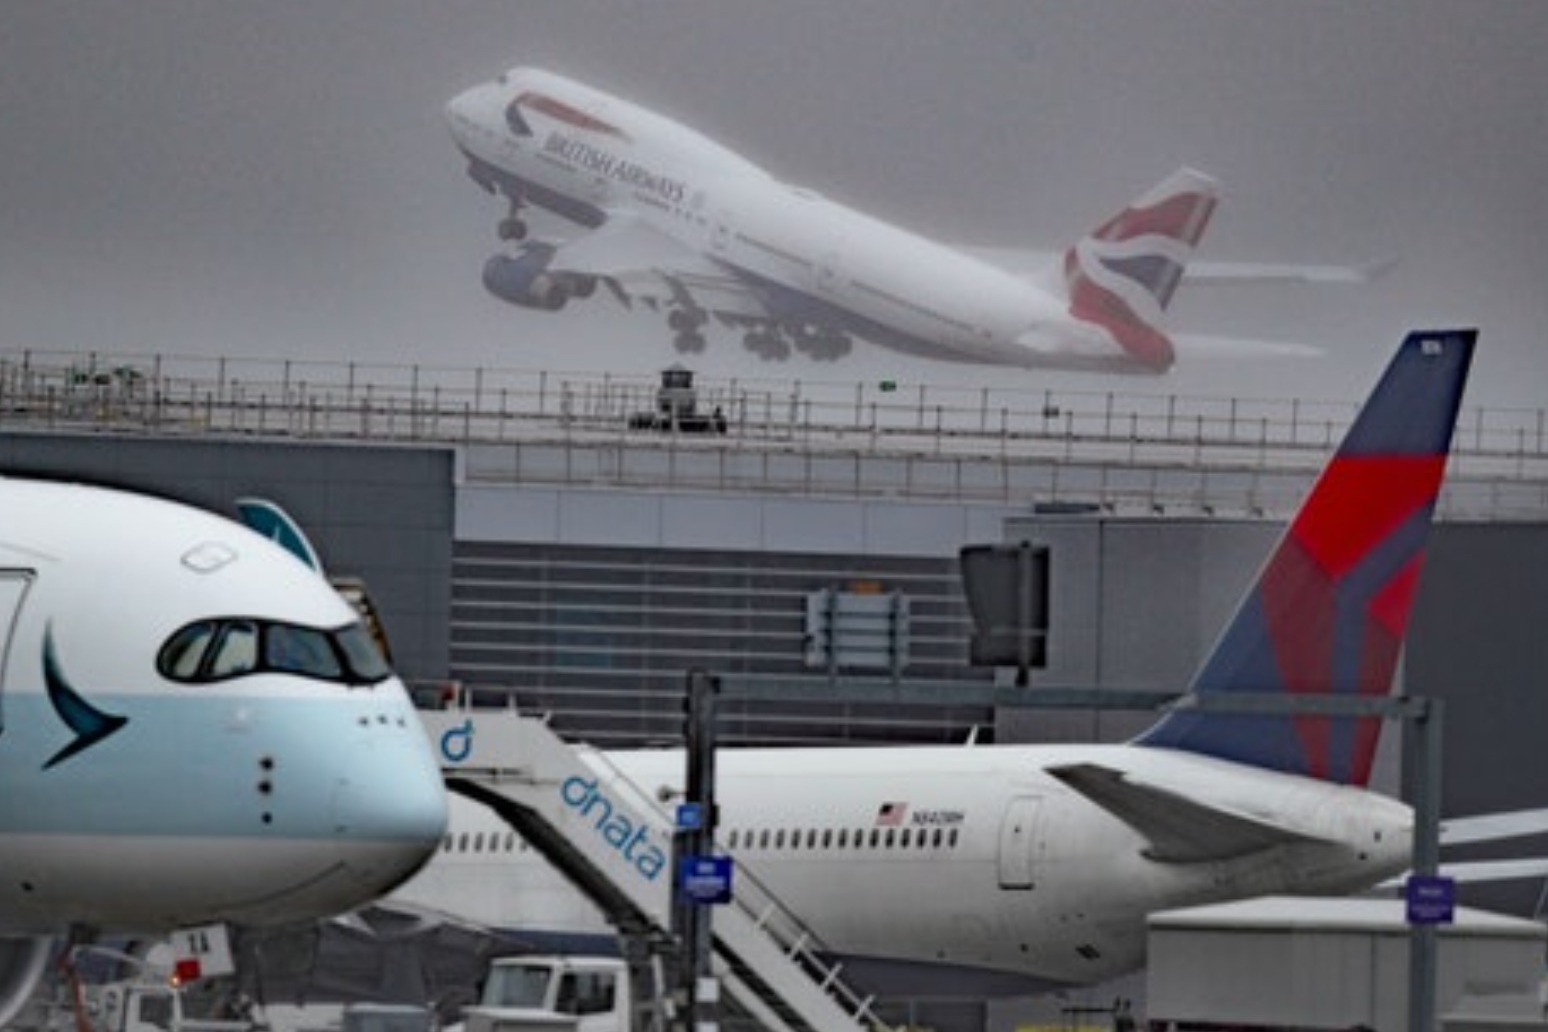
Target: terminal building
x,y
529,536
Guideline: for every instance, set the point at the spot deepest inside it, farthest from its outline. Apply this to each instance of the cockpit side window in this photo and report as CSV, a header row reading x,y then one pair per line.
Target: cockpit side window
x,y
222,649
362,653
183,654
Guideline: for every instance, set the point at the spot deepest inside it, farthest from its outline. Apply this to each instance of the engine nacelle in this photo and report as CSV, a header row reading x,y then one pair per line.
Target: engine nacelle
x,y
525,280
23,963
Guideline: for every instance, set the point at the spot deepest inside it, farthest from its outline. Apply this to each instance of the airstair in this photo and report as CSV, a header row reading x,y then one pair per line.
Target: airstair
x,y
613,840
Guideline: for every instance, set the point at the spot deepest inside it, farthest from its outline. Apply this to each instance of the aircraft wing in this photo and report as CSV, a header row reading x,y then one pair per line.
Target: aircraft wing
x,y
646,265
1179,830
627,245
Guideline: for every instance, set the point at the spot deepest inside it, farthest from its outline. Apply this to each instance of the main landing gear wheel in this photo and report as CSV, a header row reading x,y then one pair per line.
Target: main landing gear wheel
x,y
687,325
767,345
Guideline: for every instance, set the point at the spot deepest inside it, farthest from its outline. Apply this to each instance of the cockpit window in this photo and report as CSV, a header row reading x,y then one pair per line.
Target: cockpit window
x,y
362,653
236,651
183,653
300,650
219,650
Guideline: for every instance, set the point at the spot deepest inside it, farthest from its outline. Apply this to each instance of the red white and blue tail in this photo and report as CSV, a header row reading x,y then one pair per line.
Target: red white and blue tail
x,y
1121,276
1328,612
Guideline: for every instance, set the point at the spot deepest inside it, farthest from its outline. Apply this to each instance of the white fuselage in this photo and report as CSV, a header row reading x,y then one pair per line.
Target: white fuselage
x,y
140,801
971,862
815,261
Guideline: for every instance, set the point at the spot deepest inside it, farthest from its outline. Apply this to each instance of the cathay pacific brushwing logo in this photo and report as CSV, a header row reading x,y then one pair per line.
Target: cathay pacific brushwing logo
x,y
90,724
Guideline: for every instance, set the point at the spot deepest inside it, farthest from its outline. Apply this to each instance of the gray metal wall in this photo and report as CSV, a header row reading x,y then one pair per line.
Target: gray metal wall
x,y
382,513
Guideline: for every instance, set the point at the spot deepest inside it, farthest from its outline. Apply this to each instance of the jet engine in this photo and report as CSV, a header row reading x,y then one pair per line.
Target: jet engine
x,y
23,963
525,280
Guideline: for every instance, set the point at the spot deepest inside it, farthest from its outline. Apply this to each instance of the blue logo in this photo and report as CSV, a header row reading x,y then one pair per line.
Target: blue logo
x,y
90,724
629,839
457,742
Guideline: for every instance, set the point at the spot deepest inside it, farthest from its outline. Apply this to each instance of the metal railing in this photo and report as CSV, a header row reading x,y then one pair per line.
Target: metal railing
x,y
1115,448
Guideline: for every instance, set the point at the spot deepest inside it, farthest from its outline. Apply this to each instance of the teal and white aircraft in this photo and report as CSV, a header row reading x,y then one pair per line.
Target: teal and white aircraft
x,y
194,728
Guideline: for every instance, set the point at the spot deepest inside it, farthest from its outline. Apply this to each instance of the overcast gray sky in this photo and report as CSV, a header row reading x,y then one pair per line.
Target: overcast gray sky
x,y
275,179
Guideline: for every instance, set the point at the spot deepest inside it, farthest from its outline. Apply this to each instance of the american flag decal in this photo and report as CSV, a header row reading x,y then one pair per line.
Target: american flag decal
x,y
890,815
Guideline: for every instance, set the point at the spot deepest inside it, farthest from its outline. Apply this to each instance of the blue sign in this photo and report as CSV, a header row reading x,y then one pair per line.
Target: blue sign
x,y
690,816
705,879
1432,899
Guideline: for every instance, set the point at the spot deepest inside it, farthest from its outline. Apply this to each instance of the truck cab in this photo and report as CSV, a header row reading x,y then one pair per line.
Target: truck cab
x,y
553,994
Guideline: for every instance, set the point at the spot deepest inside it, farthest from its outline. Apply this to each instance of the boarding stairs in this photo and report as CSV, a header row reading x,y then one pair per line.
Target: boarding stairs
x,y
613,840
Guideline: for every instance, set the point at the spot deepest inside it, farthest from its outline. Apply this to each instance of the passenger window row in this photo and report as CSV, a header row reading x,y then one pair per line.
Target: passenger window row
x,y
763,839
484,842
814,839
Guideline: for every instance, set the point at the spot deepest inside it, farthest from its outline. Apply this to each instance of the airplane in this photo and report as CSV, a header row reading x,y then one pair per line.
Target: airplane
x,y
975,870
669,220
194,729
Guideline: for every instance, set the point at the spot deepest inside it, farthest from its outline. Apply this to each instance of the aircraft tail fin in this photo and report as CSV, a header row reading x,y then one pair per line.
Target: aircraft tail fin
x,y
1329,609
1121,276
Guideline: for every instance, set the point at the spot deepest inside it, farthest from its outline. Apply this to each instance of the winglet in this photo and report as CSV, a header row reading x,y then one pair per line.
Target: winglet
x,y
1329,610
1122,275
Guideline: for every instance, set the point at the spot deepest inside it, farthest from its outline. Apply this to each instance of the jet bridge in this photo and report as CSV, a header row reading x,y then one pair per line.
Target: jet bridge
x,y
613,841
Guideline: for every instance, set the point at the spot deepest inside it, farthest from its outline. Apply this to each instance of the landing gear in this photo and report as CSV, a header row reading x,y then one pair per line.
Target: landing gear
x,y
822,345
687,326
513,227
769,345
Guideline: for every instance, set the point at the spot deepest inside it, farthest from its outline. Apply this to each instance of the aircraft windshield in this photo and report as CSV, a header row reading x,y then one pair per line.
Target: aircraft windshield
x,y
218,650
517,985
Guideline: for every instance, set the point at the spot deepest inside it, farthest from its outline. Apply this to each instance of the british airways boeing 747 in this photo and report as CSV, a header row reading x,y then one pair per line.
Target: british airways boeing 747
x,y
666,219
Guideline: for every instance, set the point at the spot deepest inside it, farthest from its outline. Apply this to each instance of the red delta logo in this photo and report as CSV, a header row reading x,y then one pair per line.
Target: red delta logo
x,y
629,839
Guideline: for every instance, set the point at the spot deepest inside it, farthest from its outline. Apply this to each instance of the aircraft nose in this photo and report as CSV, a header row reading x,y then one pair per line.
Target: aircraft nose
x,y
391,800
467,108
457,110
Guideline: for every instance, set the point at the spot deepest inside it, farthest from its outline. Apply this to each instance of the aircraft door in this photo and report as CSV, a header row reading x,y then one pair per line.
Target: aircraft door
x,y
13,589
1020,843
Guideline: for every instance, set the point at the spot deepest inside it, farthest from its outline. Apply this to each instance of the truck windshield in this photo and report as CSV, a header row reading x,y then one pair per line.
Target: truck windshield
x,y
514,985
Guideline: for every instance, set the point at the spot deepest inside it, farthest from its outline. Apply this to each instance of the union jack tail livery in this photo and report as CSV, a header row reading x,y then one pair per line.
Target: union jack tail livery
x,y
1329,610
1121,277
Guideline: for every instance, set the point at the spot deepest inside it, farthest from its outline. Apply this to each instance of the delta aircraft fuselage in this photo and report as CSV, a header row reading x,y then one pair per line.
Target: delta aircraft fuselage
x,y
1028,864
977,866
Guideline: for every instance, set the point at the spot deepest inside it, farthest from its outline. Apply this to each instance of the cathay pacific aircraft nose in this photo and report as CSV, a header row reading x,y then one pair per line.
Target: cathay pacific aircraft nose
x,y
389,807
225,743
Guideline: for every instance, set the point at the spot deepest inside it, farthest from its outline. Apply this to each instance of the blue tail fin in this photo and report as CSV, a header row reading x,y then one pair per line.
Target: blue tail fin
x,y
1328,612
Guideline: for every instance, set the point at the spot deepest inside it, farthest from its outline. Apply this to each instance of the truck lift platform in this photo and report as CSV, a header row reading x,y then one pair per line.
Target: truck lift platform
x,y
613,841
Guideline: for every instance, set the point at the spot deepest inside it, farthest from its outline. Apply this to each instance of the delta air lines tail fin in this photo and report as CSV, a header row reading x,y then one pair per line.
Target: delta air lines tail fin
x,y
1329,610
1122,275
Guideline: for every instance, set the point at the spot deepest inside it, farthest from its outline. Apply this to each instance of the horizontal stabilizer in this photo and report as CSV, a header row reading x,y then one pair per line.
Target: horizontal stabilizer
x,y
1180,830
1193,346
1266,272
1493,827
1482,872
